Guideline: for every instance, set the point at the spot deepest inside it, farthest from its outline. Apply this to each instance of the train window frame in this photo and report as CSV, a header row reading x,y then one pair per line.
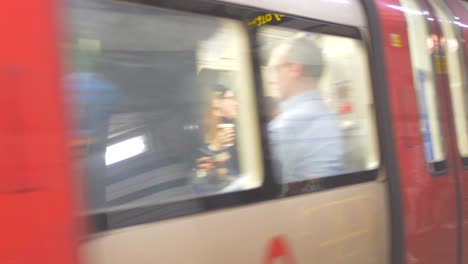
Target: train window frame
x,y
269,189
441,8
331,181
435,168
248,146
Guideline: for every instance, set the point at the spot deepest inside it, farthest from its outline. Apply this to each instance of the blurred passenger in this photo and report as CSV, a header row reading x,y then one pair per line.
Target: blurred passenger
x,y
218,155
95,99
305,136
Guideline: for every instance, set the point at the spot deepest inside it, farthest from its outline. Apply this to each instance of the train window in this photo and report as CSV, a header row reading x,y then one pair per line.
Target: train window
x,y
452,45
319,105
423,57
164,104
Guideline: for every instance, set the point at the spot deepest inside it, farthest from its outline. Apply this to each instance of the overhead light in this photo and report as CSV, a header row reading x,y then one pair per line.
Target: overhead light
x,y
125,149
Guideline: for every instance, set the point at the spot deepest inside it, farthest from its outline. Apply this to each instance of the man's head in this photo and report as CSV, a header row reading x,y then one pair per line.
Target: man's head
x,y
294,64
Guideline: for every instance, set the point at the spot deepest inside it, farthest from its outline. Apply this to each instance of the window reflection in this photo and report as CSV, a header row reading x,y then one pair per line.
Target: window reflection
x,y
322,123
156,96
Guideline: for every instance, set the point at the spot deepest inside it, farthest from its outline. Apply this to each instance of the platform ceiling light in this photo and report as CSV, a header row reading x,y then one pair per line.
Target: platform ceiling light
x,y
125,149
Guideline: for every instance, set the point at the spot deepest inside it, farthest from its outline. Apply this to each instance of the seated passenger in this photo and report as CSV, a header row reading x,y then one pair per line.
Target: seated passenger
x,y
217,157
305,137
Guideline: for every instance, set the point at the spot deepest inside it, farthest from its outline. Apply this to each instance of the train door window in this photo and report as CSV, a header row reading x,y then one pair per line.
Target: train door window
x,y
320,113
163,102
452,45
424,55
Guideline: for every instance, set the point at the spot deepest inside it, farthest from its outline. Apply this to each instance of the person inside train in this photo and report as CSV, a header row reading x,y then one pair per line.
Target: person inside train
x,y
305,137
217,157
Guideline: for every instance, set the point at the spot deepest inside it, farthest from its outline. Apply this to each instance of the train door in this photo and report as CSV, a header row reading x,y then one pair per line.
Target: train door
x,y
428,177
452,34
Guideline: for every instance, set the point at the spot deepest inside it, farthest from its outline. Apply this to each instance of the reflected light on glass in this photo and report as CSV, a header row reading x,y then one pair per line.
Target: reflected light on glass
x,y
125,150
408,10
452,44
460,24
430,43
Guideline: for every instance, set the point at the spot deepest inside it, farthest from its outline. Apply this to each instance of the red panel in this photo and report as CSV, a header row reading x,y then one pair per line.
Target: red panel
x,y
38,223
462,15
429,203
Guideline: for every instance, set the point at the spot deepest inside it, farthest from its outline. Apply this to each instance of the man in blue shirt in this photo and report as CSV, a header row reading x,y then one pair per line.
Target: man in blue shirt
x,y
305,137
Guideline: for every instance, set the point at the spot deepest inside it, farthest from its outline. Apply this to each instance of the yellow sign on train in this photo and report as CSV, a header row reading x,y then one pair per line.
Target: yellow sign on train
x,y
265,19
441,64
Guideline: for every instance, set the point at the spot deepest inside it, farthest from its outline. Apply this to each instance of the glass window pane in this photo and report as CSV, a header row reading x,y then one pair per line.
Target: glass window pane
x,y
163,102
319,105
452,45
423,47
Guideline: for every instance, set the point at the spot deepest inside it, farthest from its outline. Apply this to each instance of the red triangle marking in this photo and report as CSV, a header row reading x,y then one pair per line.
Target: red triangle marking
x,y
278,248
